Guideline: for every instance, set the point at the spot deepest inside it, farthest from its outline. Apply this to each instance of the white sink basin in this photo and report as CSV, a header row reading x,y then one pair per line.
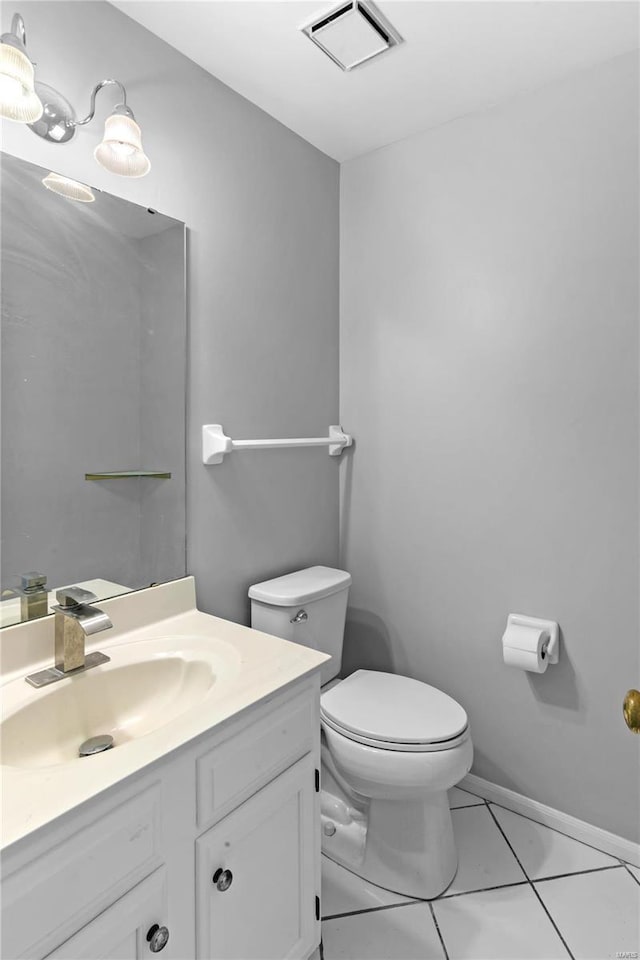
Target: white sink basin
x,y
175,674
147,685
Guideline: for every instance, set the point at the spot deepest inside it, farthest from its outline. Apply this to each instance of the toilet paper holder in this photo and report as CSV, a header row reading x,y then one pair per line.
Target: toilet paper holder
x,y
552,647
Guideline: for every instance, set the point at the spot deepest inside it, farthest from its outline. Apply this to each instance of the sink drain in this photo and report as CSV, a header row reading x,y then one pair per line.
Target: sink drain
x,y
95,745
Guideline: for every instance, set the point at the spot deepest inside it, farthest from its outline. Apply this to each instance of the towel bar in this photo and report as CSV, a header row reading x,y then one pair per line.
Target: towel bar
x,y
215,444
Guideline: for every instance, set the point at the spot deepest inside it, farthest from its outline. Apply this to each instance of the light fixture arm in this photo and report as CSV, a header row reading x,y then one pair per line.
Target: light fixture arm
x,y
17,28
120,108
17,36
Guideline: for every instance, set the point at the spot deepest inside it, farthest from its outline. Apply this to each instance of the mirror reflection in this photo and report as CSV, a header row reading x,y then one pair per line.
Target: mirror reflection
x,y
93,392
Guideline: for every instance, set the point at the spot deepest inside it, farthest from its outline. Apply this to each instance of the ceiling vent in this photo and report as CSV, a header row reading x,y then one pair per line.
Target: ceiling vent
x,y
352,33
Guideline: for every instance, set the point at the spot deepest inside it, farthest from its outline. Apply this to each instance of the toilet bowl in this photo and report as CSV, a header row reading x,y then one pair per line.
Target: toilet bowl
x,y
391,748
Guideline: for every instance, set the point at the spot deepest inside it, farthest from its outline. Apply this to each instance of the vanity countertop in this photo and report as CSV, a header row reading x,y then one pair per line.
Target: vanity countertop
x,y
248,667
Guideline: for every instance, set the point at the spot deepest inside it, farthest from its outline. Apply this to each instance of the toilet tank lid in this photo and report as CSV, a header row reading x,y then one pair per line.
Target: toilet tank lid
x,y
313,583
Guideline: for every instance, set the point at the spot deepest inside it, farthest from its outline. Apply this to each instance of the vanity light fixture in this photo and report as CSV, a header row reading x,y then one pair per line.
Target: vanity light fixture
x,y
50,115
71,189
121,148
18,99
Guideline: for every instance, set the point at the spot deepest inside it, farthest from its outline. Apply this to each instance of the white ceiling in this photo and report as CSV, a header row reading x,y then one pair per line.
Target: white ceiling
x,y
458,58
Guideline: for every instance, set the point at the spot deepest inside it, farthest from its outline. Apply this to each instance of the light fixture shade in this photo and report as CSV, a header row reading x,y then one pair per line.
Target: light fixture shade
x,y
71,189
121,148
18,99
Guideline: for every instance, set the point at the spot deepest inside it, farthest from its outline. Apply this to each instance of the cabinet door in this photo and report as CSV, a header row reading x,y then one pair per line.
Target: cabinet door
x,y
120,932
267,850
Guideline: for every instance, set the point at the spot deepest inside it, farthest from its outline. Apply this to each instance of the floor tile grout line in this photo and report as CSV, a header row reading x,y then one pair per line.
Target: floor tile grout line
x,y
577,873
555,926
478,798
555,829
408,903
438,931
384,906
630,872
506,840
465,893
536,894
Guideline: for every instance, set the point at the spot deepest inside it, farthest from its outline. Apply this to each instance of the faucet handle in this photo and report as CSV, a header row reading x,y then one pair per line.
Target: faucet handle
x,y
33,580
74,596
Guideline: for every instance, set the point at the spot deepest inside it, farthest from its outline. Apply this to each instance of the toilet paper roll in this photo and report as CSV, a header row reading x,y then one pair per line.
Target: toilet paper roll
x,y
524,647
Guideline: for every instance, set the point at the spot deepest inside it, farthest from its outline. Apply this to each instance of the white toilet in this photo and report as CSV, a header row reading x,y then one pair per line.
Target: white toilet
x,y
391,746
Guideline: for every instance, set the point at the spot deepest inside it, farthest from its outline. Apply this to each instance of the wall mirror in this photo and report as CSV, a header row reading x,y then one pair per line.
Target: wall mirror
x,y
93,392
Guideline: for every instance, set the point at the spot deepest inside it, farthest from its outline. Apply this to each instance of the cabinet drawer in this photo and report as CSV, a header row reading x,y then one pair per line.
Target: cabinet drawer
x,y
247,760
121,930
48,899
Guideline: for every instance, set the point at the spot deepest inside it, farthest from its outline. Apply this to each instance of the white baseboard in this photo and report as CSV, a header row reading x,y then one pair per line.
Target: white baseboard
x,y
609,843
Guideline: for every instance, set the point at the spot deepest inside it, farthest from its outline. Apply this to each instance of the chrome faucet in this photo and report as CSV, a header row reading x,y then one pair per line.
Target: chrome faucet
x,y
33,596
75,620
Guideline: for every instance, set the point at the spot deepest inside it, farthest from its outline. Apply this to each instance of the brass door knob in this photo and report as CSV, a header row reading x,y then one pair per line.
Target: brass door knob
x,y
631,710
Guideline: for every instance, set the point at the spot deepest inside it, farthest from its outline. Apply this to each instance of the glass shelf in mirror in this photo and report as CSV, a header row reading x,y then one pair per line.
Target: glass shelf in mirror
x,y
128,475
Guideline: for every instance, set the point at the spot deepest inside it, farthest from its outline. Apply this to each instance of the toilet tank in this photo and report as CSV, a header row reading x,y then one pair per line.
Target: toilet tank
x,y
308,607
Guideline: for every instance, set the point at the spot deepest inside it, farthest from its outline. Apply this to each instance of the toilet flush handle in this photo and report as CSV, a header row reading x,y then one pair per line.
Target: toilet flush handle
x,y
300,617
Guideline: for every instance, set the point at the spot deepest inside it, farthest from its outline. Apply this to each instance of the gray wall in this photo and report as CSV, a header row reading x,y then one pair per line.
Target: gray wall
x,y
261,206
489,372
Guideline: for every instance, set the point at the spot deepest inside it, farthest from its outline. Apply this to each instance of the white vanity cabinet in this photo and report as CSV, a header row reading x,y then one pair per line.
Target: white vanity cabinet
x,y
218,842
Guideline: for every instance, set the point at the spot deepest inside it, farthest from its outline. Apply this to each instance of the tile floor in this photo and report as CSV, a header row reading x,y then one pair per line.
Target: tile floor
x,y
522,892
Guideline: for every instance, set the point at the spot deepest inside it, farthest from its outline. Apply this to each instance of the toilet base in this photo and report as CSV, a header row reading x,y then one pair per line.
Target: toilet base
x,y
404,846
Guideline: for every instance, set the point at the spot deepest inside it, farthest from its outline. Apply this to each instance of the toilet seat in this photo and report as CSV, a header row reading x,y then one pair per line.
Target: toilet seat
x,y
392,712
395,746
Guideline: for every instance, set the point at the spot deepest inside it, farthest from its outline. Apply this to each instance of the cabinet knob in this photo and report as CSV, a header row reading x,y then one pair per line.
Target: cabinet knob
x,y
222,879
157,938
